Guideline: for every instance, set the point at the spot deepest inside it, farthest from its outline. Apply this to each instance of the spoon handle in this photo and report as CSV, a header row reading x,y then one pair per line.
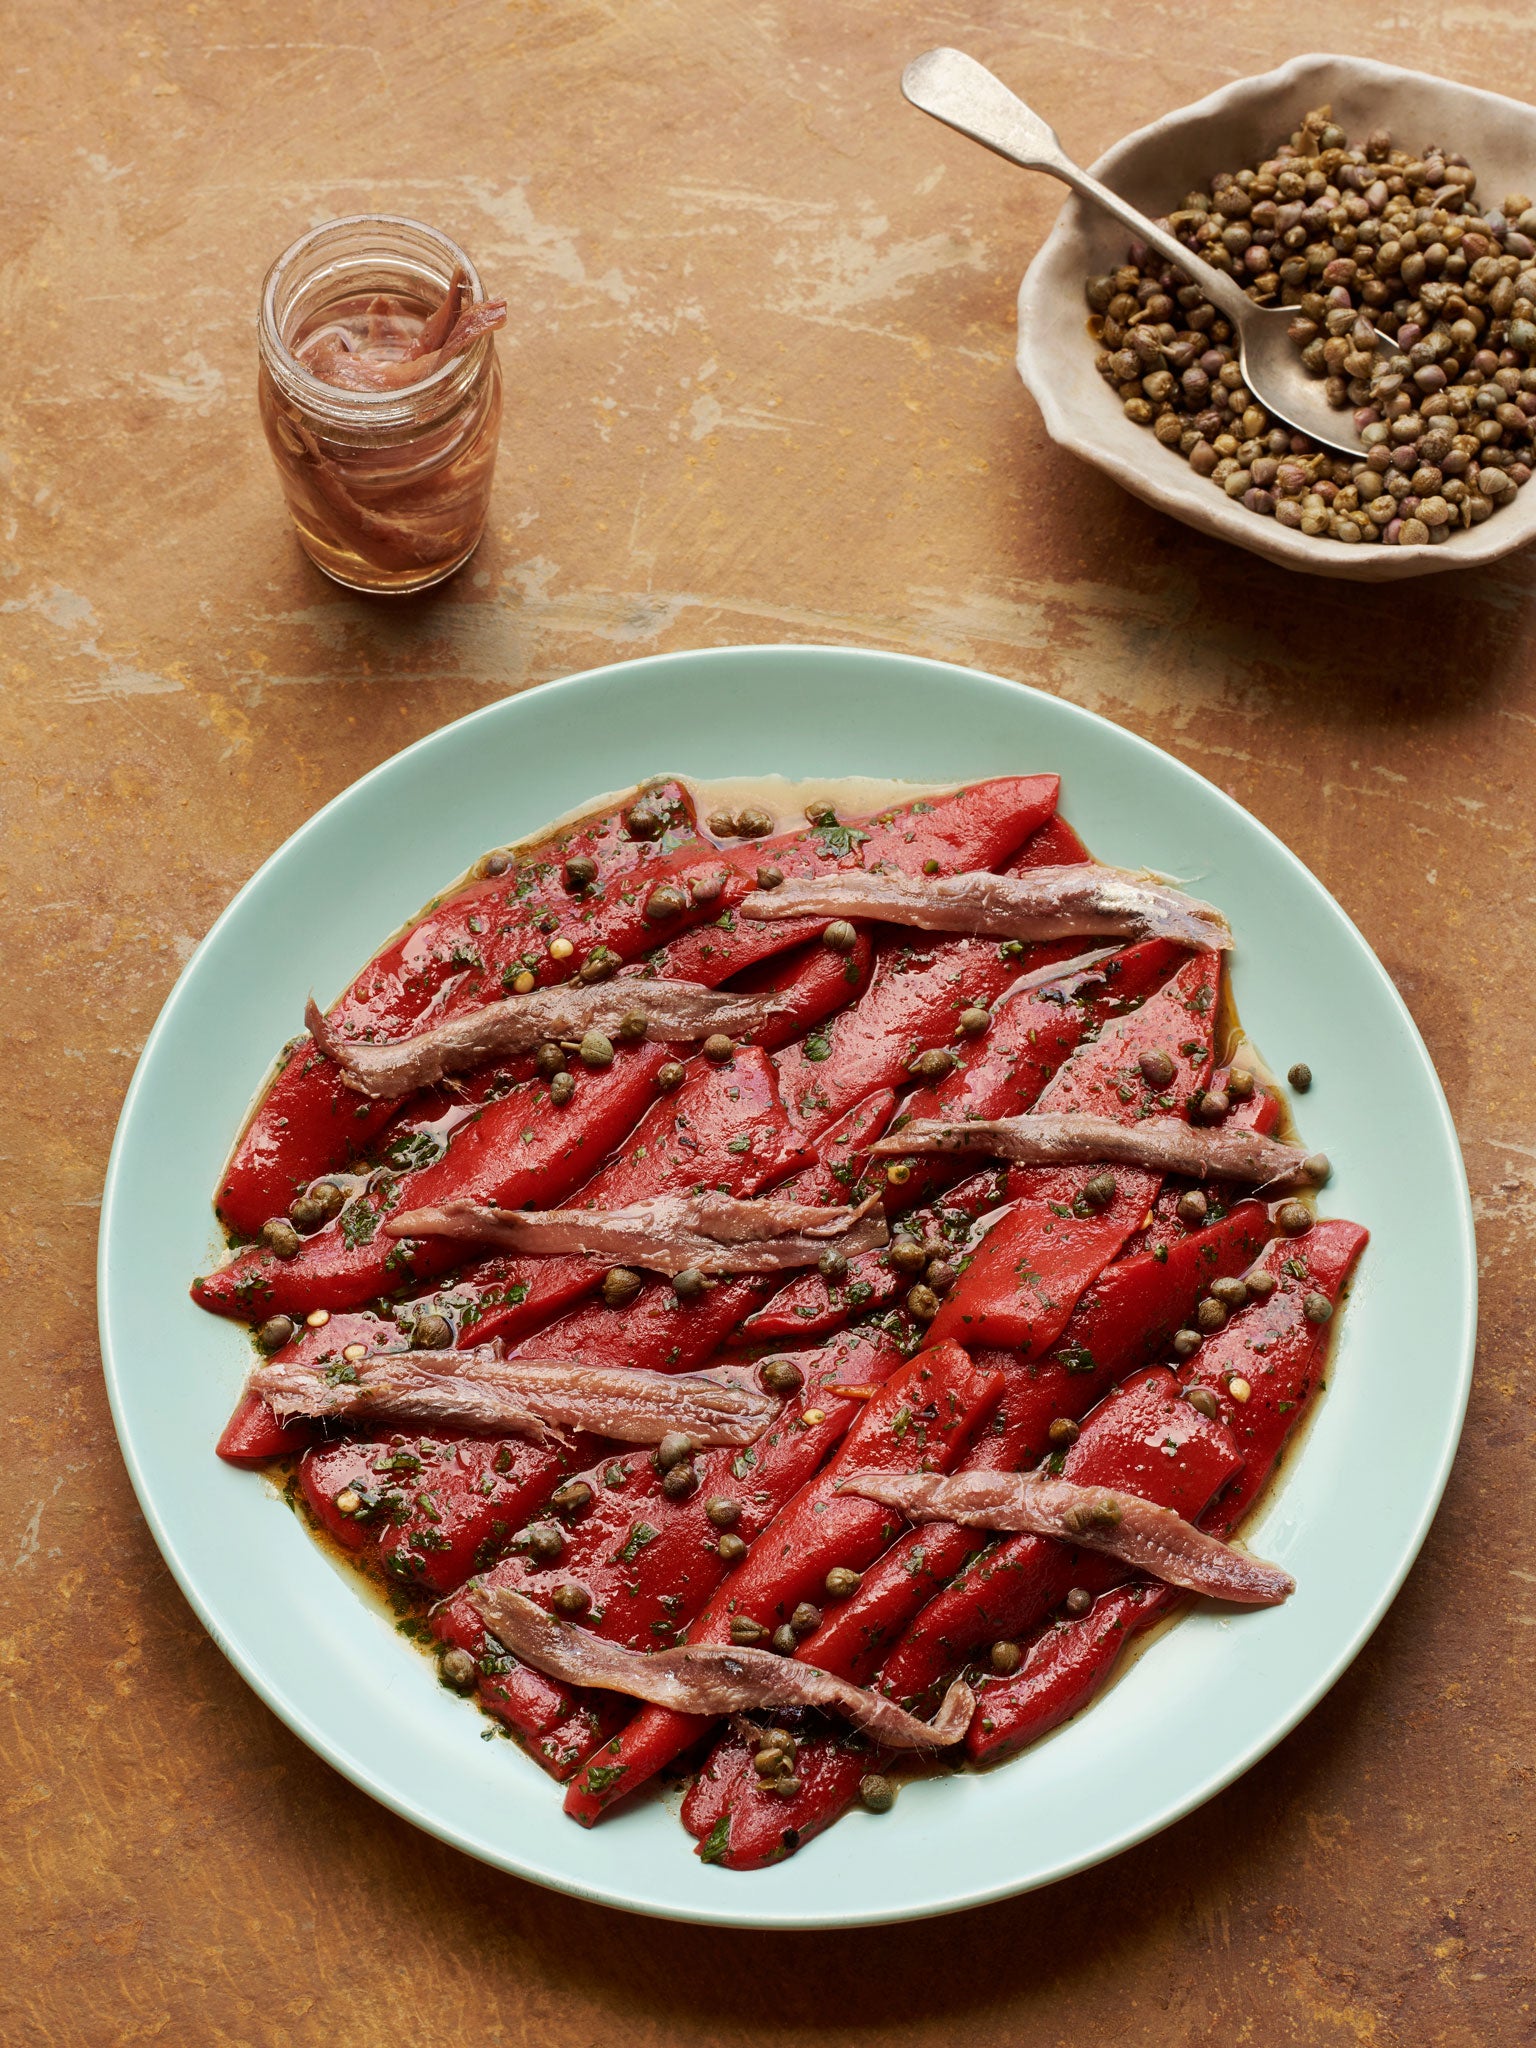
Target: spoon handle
x,y
957,90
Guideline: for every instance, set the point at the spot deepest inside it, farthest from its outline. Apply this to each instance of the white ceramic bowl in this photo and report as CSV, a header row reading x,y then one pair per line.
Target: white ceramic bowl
x,y
1154,168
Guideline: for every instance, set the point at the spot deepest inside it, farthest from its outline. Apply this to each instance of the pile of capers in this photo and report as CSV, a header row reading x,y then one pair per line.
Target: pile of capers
x,y
1354,237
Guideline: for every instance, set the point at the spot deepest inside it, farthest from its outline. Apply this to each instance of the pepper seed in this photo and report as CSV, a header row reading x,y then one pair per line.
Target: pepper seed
x,y
560,949
1239,1389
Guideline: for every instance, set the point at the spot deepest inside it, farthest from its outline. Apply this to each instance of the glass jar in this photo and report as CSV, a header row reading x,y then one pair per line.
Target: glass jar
x,y
389,489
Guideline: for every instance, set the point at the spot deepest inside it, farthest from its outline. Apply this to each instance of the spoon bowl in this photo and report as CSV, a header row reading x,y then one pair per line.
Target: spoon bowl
x,y
963,94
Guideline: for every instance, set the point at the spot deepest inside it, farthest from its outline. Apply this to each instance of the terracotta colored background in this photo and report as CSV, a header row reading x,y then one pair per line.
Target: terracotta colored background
x,y
760,387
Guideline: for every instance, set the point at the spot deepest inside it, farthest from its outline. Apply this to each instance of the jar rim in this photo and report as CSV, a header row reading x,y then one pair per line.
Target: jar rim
x,y
362,405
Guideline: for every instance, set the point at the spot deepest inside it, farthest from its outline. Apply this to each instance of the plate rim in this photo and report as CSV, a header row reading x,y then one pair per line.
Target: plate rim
x,y
335,1753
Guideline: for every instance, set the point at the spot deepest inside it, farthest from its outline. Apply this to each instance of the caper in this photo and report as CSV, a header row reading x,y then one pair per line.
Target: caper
x,y
974,1020
1315,1168
1186,1343
645,821
458,1670
1211,1315
783,1640
633,1026
833,1267
681,1480
1300,1077
1231,1292
549,1060
671,1076
723,825
922,1302
769,878
806,1619
496,863
769,1762
842,1582
275,1332
1078,1601
664,902
280,1238
877,1794
1203,1401
1261,1285
936,1064
561,1089
601,964
820,814
689,1284
707,888
934,1246
1192,1209
1240,1084
620,1286
732,1549
1005,1658
1212,1106
673,1448
745,1632
722,1511
1317,1308
753,823
306,1212
1100,1191
1294,1218
570,1600
906,1255
717,1048
572,1497
1063,1432
431,1332
546,1542
940,1275
782,1376
1157,1068
595,1050
579,872
787,1785
840,936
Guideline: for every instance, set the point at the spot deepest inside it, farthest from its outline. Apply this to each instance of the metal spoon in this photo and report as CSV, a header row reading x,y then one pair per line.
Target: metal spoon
x,y
957,90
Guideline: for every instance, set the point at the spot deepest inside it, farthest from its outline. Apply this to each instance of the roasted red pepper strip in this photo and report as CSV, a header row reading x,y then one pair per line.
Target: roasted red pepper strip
x,y
920,1420
1279,1353
1020,1286
520,1150
1028,1039
253,1433
1123,1323
511,1138
1144,1438
461,952
647,1563
659,1331
496,1486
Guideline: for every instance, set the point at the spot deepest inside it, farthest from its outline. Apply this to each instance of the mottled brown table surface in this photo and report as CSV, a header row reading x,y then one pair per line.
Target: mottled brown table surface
x,y
760,387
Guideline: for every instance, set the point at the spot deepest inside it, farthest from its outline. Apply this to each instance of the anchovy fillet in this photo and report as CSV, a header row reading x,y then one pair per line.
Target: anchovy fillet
x,y
673,1011
1044,903
479,1394
1138,1532
668,1234
709,1678
1166,1144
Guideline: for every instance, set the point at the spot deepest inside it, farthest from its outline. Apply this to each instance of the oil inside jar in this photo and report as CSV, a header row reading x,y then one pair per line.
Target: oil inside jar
x,y
386,470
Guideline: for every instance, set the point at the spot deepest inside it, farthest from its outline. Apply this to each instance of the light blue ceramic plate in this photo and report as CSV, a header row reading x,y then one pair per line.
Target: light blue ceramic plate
x,y
1347,1520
